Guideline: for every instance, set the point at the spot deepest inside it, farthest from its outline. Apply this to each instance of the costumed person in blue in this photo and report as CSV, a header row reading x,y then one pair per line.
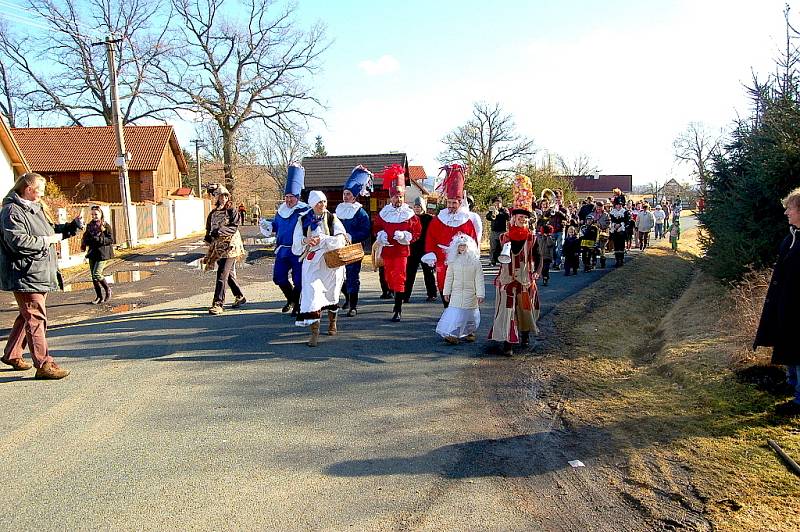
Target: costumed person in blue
x,y
356,223
283,227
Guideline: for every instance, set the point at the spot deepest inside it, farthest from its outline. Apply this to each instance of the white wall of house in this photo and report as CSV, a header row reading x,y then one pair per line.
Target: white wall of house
x,y
189,216
6,172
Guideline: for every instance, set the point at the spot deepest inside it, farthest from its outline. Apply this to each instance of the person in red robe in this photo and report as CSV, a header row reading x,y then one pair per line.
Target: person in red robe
x,y
396,227
448,223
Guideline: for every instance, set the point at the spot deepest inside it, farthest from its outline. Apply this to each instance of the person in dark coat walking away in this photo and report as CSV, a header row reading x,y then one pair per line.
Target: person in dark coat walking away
x,y
29,268
98,242
781,311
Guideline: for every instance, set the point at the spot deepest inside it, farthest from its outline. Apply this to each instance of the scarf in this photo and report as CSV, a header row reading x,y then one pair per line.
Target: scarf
x,y
311,221
518,233
95,227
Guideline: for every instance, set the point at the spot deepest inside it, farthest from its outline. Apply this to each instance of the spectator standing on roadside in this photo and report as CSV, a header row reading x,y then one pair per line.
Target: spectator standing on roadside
x,y
572,251
586,209
547,246
417,252
675,235
781,311
498,217
242,213
644,224
658,218
29,269
98,242
256,213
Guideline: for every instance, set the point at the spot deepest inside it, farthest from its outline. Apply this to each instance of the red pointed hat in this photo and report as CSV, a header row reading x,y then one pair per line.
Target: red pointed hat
x,y
394,179
453,184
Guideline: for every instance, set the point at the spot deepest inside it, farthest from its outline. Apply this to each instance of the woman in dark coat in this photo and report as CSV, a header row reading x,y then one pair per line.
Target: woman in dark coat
x,y
98,242
781,309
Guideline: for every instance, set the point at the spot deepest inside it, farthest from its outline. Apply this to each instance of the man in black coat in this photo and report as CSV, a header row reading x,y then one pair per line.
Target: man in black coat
x,y
417,251
781,309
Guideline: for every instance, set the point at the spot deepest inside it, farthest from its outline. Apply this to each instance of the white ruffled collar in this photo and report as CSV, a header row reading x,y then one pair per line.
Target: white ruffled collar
x,y
345,211
396,215
460,217
285,211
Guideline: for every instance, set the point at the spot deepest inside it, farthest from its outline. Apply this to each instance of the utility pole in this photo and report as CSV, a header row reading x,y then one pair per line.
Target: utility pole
x,y
197,143
122,155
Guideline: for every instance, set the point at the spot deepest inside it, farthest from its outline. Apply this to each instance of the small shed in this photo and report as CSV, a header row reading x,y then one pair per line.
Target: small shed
x,y
600,186
329,174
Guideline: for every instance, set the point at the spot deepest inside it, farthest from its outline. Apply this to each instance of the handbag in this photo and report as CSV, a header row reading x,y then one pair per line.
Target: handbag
x,y
336,258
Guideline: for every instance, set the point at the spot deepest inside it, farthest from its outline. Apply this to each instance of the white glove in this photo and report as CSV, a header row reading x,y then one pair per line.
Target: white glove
x,y
429,259
382,238
265,227
403,237
54,239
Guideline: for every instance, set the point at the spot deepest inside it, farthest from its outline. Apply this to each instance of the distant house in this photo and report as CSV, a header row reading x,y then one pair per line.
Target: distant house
x,y
417,188
600,186
12,161
81,160
673,190
329,174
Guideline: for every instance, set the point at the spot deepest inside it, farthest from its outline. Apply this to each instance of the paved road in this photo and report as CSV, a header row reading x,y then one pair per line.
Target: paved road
x,y
173,418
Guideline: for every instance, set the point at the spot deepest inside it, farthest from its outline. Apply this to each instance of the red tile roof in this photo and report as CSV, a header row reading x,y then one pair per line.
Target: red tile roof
x,y
587,183
417,172
77,149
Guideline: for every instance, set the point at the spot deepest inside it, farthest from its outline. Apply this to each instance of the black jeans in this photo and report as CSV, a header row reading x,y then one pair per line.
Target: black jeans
x,y
412,266
226,275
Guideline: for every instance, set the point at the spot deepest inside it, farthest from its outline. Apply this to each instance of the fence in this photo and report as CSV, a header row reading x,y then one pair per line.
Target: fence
x,y
152,223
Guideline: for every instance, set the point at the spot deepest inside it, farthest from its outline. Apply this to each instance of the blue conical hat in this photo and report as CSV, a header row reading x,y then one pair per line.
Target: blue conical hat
x,y
295,180
359,182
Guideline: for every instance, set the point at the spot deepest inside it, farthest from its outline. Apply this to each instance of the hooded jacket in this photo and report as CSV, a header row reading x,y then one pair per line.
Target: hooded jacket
x,y
27,262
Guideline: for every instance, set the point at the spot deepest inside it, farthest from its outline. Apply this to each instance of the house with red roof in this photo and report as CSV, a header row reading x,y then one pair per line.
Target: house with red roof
x,y
81,160
600,186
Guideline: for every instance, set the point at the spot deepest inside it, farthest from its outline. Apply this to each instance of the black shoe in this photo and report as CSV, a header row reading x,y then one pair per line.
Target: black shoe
x,y
788,409
386,295
396,317
545,281
352,312
286,308
507,350
525,339
295,310
432,298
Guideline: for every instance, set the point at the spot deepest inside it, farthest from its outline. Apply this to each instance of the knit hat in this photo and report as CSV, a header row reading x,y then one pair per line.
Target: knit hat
x,y
523,195
295,180
453,184
419,201
359,182
394,179
315,197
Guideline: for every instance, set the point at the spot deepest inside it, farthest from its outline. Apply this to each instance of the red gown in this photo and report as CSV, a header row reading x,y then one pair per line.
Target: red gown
x,y
441,231
395,255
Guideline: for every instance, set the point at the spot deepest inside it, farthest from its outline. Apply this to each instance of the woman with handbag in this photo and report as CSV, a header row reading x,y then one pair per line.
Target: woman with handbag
x,y
317,232
98,242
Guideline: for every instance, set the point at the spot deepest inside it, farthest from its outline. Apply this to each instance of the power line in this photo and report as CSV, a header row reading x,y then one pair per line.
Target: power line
x,y
39,17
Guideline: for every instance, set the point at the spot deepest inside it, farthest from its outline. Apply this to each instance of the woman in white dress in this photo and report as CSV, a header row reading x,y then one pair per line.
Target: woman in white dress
x,y
316,232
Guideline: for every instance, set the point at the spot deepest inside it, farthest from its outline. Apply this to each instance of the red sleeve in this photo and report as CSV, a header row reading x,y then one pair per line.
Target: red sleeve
x,y
377,225
431,238
414,227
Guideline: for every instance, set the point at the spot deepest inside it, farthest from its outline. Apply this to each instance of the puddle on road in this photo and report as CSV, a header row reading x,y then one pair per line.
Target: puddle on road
x,y
129,276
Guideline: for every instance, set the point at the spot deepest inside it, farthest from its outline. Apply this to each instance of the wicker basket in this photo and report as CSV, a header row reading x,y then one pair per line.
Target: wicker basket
x,y
344,256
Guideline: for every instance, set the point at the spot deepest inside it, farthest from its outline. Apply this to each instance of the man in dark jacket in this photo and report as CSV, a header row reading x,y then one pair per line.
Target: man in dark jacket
x,y
499,218
29,268
415,258
781,310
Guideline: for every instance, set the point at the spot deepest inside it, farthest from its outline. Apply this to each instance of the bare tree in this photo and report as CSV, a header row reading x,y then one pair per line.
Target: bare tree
x,y
487,141
8,93
64,73
581,164
278,149
696,146
237,70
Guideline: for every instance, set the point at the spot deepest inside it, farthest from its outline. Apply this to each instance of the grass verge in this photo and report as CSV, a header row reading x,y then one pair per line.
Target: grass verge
x,y
648,351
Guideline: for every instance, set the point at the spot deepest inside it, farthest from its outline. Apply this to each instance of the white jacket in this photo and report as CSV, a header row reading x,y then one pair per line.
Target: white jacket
x,y
645,222
464,283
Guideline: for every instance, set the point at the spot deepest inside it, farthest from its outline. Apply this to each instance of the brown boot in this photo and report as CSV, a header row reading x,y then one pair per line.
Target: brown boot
x,y
312,342
332,323
50,370
18,364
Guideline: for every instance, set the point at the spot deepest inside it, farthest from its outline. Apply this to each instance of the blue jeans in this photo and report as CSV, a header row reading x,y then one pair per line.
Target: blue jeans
x,y
659,230
793,378
559,238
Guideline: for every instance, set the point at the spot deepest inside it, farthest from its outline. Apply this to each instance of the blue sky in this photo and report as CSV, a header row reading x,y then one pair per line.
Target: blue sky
x,y
617,80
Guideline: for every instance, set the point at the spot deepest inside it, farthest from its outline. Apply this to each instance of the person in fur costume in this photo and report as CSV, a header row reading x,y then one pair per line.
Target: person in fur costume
x,y
463,290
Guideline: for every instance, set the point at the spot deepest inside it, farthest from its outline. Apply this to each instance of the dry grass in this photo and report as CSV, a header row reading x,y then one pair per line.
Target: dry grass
x,y
664,392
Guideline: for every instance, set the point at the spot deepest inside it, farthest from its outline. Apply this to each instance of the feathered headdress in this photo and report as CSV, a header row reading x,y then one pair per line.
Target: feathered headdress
x,y
394,179
453,183
458,239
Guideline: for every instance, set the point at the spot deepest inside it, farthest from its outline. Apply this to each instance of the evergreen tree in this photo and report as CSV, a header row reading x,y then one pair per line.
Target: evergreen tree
x,y
319,147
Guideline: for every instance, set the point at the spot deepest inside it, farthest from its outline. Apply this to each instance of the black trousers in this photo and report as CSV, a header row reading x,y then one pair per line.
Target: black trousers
x,y
226,275
413,264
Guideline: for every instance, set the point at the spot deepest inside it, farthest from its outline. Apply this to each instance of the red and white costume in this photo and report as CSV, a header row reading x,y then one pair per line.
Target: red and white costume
x,y
441,231
395,229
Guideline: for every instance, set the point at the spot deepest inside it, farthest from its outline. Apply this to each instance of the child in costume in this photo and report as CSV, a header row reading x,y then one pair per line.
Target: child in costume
x,y
675,234
463,290
588,243
572,251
